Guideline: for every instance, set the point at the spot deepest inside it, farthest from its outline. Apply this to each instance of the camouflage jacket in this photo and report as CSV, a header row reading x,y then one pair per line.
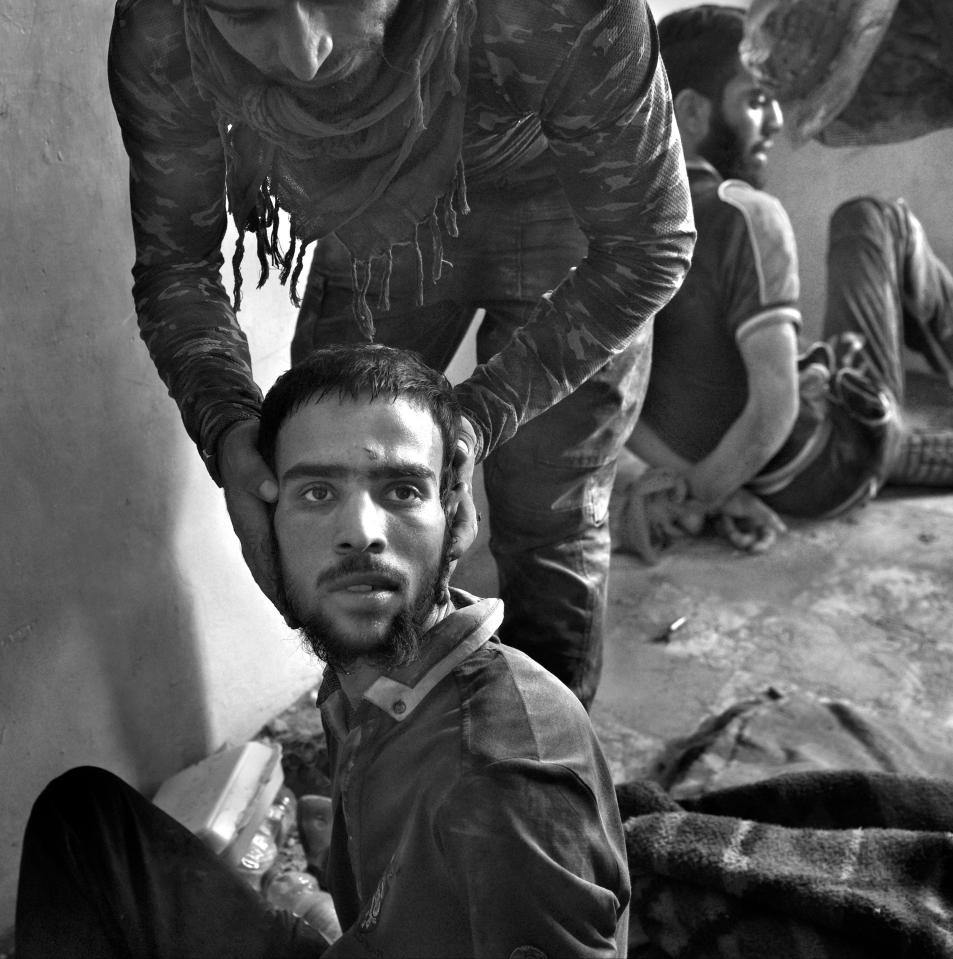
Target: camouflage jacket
x,y
586,75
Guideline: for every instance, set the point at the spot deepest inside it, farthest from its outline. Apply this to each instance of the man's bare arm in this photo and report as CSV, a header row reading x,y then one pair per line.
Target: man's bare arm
x,y
770,358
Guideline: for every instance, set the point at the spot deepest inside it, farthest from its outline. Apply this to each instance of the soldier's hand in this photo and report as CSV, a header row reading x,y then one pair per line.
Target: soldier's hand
x,y
464,523
250,488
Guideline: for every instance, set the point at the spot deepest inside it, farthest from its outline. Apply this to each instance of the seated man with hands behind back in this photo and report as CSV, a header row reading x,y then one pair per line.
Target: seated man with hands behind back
x,y
736,424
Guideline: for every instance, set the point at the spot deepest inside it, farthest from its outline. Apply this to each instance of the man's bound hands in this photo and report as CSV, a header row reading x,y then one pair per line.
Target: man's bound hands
x,y
748,523
654,509
647,513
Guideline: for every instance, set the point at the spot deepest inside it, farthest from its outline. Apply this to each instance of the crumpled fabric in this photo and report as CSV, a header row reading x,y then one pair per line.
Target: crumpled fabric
x,y
855,74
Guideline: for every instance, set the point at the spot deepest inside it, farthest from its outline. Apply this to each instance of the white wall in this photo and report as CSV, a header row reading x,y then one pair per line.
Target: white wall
x,y
131,634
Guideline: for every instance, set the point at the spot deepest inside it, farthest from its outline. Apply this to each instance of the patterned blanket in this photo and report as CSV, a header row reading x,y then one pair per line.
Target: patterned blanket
x,y
853,865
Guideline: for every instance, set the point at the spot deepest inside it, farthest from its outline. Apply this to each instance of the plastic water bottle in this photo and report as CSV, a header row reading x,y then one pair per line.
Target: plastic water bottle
x,y
282,815
317,910
300,894
260,857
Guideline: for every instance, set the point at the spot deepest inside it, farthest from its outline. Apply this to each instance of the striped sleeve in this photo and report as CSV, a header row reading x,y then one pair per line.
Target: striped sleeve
x,y
763,263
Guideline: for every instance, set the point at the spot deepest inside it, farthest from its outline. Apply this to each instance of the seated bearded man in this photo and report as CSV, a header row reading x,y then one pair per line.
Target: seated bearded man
x,y
473,810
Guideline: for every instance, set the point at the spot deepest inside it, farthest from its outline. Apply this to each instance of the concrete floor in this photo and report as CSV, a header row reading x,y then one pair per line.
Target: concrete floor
x,y
858,608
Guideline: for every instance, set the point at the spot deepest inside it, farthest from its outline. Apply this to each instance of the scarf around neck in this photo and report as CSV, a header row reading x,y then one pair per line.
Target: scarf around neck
x,y
370,174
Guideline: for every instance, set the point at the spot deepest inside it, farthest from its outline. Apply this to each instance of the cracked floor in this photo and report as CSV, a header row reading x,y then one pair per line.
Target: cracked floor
x,y
858,608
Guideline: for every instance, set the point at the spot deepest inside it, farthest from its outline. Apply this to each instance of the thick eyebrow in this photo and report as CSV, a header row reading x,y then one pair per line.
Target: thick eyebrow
x,y
399,470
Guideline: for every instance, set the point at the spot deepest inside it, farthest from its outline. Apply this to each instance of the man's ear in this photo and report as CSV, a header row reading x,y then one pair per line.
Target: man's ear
x,y
693,113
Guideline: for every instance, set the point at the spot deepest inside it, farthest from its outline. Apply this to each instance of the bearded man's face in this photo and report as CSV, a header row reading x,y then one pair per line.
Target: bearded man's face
x,y
361,532
741,130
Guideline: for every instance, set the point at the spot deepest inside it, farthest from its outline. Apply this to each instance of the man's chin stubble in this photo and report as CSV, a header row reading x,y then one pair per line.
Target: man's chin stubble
x,y
402,642
400,645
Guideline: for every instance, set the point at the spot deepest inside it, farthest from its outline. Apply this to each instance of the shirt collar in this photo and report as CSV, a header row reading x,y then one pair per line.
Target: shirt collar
x,y
702,168
443,647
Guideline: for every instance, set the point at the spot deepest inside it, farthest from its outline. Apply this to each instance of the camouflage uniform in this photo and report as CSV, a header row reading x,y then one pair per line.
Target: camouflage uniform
x,y
580,231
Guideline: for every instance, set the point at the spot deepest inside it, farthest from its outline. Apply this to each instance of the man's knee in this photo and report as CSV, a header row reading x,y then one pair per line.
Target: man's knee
x,y
868,216
76,790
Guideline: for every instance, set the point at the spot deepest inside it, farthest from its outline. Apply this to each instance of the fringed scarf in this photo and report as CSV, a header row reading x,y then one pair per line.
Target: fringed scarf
x,y
372,175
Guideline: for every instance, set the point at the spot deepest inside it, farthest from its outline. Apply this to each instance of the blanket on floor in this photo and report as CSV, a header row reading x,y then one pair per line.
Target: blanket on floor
x,y
853,865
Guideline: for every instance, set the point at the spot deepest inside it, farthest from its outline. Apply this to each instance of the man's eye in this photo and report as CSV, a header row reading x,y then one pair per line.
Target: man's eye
x,y
316,494
405,493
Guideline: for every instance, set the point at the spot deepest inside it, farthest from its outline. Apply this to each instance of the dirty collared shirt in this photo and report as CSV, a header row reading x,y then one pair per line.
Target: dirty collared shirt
x,y
474,814
577,84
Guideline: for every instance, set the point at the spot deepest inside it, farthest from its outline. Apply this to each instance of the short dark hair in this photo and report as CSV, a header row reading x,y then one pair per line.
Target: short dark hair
x,y
363,371
699,48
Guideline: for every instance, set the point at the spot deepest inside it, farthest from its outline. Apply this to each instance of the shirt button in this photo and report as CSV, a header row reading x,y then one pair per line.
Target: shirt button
x,y
400,707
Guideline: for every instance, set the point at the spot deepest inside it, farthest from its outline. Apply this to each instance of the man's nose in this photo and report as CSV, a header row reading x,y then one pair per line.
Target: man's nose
x,y
305,40
361,525
773,117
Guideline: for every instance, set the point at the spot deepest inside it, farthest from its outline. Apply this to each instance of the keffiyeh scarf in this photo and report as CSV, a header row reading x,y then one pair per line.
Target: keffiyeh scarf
x,y
372,174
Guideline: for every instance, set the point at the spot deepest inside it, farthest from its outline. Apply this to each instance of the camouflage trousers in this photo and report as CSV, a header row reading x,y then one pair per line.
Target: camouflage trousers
x,y
548,488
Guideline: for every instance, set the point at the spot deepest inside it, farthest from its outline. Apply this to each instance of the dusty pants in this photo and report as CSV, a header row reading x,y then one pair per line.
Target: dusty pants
x,y
105,873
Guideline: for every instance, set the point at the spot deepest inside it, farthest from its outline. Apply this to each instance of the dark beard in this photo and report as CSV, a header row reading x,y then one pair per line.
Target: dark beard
x,y
402,643
724,151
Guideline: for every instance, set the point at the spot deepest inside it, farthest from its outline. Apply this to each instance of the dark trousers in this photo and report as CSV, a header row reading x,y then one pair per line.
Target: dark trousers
x,y
105,873
548,488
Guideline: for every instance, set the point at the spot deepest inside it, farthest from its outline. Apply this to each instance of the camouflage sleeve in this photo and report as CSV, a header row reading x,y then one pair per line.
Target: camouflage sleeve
x,y
177,195
603,100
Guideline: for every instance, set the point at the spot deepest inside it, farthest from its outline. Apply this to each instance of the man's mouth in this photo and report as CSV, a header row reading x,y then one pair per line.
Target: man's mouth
x,y
364,583
329,74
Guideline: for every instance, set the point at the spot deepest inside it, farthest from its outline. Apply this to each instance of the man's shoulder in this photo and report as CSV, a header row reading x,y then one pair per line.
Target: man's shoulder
x,y
148,48
552,20
144,20
516,709
762,214
738,223
579,10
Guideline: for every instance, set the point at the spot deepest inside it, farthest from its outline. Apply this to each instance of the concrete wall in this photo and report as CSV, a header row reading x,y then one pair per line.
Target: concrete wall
x,y
131,634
